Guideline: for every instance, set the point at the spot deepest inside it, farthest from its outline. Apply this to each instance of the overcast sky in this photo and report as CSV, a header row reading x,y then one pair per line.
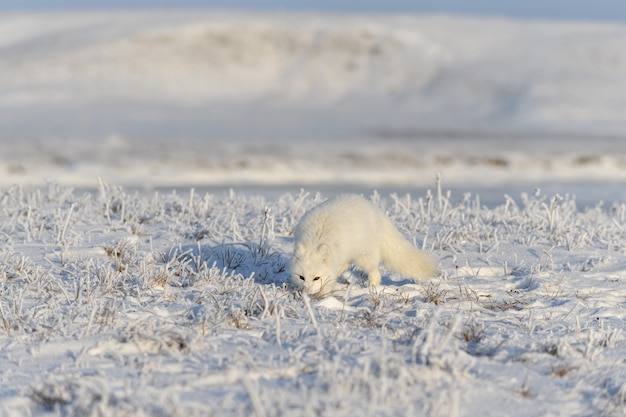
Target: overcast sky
x,y
551,9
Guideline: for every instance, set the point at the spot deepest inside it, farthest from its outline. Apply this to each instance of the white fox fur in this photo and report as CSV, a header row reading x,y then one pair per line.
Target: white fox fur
x,y
346,230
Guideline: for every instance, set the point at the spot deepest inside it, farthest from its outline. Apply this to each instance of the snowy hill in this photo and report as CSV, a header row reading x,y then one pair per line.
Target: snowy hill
x,y
121,79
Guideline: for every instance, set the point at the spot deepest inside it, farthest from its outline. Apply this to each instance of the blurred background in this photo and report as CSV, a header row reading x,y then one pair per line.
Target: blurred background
x,y
266,96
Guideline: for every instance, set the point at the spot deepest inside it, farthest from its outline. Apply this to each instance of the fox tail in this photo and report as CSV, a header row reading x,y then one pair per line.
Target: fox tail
x,y
402,257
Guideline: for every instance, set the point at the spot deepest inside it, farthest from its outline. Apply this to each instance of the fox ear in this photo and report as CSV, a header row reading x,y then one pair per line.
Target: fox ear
x,y
298,250
324,251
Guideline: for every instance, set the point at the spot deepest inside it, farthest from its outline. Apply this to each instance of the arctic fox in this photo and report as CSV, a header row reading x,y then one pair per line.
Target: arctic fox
x,y
346,230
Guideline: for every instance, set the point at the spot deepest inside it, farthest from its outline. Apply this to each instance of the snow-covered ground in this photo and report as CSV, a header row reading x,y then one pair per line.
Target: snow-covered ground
x,y
134,283
117,304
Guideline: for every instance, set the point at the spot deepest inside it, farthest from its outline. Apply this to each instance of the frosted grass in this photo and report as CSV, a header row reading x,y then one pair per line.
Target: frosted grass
x,y
116,303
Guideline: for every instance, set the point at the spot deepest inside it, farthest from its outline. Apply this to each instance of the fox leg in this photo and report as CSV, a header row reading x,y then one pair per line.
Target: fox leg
x,y
374,277
369,265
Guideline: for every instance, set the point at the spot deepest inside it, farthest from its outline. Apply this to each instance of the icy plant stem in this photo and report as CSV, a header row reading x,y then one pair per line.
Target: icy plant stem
x,y
553,215
61,236
264,226
345,301
278,340
5,322
255,399
453,328
439,193
307,303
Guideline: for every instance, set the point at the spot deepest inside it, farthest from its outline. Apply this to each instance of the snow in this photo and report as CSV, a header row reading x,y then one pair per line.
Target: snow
x,y
118,303
154,164
174,98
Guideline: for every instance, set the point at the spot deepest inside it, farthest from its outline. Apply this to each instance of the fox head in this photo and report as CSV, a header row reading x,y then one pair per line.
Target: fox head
x,y
311,268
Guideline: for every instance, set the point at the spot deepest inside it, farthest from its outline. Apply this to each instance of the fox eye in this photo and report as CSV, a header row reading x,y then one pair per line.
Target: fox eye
x,y
316,279
301,277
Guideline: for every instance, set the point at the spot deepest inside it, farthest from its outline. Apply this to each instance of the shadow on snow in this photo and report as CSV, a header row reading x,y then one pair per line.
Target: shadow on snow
x,y
248,259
